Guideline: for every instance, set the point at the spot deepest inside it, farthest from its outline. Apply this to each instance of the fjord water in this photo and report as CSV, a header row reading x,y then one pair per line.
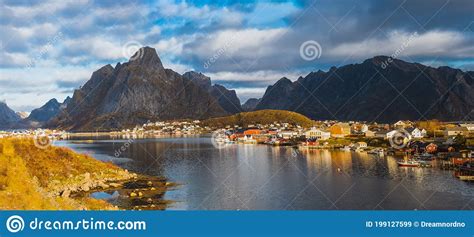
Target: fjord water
x,y
261,177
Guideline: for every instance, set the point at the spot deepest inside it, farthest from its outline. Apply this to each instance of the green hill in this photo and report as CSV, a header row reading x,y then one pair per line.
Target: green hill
x,y
260,117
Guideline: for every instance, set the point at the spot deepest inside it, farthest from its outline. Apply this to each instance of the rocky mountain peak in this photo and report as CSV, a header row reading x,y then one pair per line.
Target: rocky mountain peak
x,y
283,81
146,57
52,102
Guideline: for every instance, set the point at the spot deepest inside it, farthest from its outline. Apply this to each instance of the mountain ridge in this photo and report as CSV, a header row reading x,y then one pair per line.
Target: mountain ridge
x,y
369,92
379,89
133,93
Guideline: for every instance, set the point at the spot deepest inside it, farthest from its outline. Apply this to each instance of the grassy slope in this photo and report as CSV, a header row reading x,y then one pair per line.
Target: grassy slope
x,y
261,117
29,176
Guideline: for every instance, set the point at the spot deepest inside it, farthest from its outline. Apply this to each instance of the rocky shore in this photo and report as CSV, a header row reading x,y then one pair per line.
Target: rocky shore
x,y
56,178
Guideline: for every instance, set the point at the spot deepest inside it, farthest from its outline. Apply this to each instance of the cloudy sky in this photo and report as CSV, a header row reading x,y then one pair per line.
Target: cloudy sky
x,y
49,48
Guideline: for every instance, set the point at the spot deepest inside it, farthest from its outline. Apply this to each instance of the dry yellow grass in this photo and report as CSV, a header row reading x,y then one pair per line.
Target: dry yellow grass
x,y
29,175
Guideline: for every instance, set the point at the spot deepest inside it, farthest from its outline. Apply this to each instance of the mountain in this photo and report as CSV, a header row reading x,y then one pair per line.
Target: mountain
x,y
23,115
66,102
133,93
368,92
8,117
260,117
250,104
45,112
227,99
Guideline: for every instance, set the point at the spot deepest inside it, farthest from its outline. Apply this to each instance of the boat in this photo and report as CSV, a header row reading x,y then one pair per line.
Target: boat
x,y
376,151
346,148
425,163
424,156
408,163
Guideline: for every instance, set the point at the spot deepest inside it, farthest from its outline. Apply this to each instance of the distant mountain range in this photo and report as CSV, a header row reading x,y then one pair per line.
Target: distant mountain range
x,y
250,104
368,92
45,112
142,90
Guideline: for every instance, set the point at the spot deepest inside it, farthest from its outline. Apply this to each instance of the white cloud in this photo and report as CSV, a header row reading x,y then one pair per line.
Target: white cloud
x,y
270,76
247,93
430,43
25,89
240,43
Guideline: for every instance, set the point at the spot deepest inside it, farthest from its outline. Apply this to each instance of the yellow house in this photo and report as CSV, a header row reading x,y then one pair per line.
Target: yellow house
x,y
340,130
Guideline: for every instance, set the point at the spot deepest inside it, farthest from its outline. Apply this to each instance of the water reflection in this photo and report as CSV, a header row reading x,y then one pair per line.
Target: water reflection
x,y
266,177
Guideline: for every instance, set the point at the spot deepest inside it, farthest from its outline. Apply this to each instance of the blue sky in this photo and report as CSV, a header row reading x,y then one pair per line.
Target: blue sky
x,y
49,48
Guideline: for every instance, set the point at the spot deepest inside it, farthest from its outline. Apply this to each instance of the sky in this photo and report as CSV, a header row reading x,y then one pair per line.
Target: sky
x,y
49,48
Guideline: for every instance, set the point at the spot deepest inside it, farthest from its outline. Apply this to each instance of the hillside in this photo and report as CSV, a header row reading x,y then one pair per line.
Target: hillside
x,y
32,178
260,117
227,99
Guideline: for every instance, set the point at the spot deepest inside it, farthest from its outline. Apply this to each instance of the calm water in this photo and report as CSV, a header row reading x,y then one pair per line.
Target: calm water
x,y
260,177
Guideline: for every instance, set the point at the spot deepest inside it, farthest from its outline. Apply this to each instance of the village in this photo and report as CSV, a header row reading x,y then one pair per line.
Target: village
x,y
450,144
421,144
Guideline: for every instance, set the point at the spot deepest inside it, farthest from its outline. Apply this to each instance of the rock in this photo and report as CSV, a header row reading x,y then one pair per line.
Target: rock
x,y
66,193
140,194
85,187
115,185
133,194
149,200
150,183
103,185
152,188
168,184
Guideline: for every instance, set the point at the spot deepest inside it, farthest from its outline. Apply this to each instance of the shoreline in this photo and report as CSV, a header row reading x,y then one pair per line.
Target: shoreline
x,y
58,178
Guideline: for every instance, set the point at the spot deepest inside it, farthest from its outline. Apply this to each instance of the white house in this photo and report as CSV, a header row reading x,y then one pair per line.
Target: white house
x,y
287,134
394,132
364,128
360,145
416,133
469,126
319,134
